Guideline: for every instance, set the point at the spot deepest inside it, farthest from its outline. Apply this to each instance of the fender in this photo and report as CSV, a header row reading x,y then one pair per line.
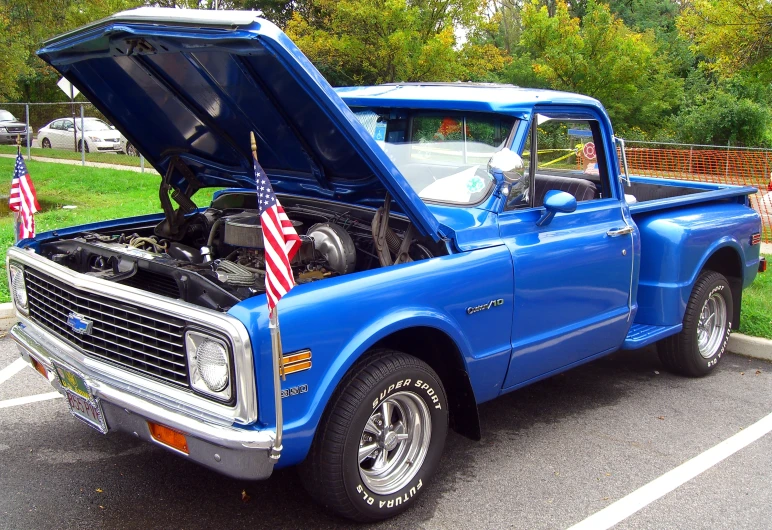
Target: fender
x,y
675,250
341,318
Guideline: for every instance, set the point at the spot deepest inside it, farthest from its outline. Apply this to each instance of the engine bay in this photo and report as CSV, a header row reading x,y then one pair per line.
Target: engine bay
x,y
216,257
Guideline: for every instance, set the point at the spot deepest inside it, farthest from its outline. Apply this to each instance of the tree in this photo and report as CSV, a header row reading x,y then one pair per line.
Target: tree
x,y
14,53
601,57
732,34
373,41
721,111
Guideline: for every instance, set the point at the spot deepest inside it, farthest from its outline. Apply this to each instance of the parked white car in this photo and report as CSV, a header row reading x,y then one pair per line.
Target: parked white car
x,y
99,135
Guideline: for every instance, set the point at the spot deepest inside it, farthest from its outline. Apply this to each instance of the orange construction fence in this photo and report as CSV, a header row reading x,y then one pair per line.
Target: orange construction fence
x,y
721,165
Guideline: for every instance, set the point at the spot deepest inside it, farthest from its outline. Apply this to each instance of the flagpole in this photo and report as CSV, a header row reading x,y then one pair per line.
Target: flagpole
x,y
276,354
16,214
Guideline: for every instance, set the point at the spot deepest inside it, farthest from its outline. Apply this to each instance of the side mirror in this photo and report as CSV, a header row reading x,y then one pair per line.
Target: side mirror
x,y
506,165
556,202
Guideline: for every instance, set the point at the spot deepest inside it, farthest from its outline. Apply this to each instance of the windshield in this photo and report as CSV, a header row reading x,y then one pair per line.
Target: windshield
x,y
7,116
441,163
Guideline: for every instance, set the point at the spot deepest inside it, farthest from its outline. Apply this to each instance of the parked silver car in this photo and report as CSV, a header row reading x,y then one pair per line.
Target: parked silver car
x,y
11,128
63,134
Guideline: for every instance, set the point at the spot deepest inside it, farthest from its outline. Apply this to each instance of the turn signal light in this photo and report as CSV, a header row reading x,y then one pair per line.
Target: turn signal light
x,y
167,436
39,367
297,362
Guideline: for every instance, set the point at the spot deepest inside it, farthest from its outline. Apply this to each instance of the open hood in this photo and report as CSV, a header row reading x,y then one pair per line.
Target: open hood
x,y
191,85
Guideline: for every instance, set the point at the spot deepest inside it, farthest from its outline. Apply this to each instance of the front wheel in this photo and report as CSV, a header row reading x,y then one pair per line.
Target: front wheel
x,y
696,350
46,143
380,440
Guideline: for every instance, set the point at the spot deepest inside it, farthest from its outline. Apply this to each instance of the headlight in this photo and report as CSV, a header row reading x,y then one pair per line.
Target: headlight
x,y
3,130
95,139
19,289
209,364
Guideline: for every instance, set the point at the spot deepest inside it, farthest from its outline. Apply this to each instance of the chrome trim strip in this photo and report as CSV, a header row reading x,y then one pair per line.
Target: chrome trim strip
x,y
221,435
245,409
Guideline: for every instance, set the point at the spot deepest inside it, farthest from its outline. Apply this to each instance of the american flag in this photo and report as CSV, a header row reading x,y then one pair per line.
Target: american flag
x,y
281,240
23,199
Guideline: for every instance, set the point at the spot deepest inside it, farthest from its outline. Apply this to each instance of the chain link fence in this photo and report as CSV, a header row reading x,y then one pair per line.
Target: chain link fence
x,y
69,131
742,166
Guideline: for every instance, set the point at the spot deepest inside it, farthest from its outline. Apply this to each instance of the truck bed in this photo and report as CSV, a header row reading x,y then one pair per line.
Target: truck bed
x,y
652,194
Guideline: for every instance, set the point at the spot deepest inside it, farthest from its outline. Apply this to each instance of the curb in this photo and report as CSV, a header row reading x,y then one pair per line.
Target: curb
x,y
755,347
7,317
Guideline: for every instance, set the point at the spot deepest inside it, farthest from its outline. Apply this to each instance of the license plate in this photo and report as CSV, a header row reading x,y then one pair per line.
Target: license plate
x,y
83,405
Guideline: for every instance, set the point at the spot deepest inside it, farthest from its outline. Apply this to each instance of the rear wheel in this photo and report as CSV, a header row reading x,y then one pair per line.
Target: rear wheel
x,y
131,150
380,440
696,350
45,143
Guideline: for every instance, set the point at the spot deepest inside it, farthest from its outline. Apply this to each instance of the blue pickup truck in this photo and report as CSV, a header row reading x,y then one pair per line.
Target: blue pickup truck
x,y
449,254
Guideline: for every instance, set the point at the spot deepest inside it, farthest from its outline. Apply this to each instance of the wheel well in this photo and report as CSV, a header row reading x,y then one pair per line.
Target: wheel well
x,y
726,261
439,351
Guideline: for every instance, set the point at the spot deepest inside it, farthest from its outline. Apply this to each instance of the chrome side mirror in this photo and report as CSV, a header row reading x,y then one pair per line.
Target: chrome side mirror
x,y
506,165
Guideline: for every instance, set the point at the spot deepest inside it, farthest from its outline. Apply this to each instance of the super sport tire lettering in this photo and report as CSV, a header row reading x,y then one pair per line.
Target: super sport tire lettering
x,y
331,471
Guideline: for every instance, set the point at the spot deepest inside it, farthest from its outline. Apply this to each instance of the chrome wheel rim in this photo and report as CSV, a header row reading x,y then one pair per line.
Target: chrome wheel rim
x,y
394,443
712,325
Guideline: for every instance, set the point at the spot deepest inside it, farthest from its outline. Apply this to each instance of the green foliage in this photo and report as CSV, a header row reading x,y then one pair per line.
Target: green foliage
x,y
721,112
731,34
14,54
374,41
601,57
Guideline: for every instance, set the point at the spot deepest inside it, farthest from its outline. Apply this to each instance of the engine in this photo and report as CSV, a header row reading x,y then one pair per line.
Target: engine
x,y
216,258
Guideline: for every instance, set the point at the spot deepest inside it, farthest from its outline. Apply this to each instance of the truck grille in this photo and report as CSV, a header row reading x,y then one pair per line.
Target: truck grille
x,y
17,129
132,337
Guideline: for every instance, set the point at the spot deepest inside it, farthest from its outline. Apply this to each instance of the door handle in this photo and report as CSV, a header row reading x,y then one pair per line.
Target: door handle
x,y
620,231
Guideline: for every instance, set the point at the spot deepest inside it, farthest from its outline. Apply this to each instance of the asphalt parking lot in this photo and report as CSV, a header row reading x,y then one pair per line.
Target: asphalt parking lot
x,y
552,455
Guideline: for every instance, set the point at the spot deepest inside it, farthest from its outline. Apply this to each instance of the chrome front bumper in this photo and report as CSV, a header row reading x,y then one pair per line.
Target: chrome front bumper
x,y
235,452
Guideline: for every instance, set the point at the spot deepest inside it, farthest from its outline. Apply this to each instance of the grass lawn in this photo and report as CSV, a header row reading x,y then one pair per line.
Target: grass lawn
x,y
99,194
107,158
757,306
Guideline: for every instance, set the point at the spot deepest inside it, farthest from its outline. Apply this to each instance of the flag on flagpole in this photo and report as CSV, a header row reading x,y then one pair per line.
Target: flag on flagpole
x,y
281,240
23,199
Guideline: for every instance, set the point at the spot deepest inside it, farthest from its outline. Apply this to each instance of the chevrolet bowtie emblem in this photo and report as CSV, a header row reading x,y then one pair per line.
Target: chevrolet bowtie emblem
x,y
79,324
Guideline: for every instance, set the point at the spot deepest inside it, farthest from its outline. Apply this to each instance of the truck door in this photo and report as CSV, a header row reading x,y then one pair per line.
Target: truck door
x,y
573,275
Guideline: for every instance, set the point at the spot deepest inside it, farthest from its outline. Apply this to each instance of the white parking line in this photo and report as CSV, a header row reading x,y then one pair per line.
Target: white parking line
x,y
15,402
626,506
12,369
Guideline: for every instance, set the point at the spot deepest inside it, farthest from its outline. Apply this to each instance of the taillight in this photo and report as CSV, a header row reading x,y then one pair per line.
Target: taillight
x,y
755,238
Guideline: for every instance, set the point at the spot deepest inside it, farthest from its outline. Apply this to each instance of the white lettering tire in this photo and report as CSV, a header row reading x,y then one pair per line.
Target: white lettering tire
x,y
380,438
696,350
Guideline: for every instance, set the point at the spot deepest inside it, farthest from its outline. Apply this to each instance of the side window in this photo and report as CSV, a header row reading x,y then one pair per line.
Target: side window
x,y
57,125
570,158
